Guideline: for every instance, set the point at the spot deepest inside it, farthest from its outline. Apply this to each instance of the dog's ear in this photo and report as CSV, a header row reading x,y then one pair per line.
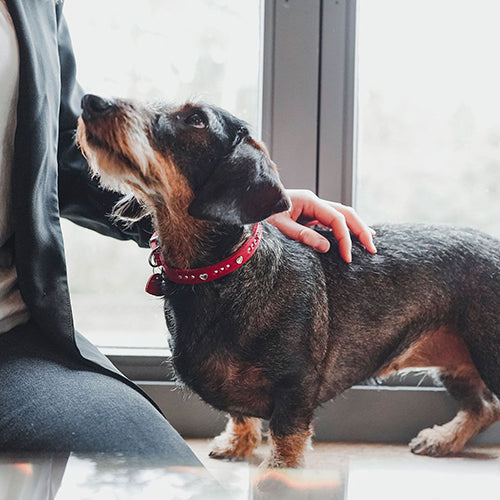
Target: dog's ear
x,y
243,188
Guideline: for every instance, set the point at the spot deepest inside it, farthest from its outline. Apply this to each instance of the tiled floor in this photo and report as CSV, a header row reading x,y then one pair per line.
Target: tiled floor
x,y
363,471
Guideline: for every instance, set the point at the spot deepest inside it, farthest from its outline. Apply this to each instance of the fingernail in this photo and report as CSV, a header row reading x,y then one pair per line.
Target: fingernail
x,y
322,247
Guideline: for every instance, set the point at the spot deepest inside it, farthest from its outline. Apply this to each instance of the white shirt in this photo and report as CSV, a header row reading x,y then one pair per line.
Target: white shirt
x,y
13,311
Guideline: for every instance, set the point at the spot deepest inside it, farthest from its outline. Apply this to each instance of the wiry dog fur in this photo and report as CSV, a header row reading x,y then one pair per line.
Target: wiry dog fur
x,y
294,328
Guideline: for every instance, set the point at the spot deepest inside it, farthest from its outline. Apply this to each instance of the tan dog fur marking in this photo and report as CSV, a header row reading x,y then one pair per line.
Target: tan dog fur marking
x,y
440,349
163,179
238,441
288,451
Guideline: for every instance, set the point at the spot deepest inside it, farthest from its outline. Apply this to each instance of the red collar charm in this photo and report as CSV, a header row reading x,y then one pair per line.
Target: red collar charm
x,y
201,274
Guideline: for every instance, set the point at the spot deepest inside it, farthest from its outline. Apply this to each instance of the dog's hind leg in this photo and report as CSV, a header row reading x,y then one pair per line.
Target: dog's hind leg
x,y
241,436
478,409
478,406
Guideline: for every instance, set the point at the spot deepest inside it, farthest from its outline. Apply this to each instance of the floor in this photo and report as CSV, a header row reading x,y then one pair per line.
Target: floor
x,y
362,471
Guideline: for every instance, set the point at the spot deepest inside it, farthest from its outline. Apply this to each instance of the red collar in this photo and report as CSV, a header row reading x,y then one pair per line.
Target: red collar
x,y
201,274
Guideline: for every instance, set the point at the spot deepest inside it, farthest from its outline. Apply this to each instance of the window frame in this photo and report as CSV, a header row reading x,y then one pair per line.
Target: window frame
x,y
325,100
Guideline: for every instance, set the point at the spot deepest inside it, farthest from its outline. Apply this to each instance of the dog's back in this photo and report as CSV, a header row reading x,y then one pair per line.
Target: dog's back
x,y
423,278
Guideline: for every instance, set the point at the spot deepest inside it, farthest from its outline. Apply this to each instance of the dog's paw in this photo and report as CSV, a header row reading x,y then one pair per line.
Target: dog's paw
x,y
238,441
225,447
435,442
225,454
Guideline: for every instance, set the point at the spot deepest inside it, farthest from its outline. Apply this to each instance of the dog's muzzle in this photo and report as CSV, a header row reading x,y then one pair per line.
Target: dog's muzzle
x,y
94,107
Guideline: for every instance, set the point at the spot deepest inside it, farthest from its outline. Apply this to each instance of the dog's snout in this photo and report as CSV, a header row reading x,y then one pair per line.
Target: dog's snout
x,y
94,106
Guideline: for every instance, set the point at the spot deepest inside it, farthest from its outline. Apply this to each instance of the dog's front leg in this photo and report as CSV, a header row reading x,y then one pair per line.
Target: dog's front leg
x,y
291,430
237,442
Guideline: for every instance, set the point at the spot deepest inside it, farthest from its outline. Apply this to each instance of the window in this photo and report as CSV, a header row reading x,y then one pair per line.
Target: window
x,y
170,50
389,105
429,134
406,118
392,106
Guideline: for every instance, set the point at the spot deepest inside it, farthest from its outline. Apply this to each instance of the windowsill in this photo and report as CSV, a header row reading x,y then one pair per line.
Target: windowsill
x,y
142,363
370,414
120,352
392,412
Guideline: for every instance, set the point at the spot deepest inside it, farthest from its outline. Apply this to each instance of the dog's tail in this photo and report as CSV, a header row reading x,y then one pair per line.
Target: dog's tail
x,y
485,353
481,326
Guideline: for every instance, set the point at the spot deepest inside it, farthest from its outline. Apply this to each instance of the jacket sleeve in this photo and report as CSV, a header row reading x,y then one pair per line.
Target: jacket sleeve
x,y
81,200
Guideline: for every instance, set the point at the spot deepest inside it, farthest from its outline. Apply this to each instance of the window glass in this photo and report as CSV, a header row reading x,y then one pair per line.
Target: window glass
x,y
429,132
170,50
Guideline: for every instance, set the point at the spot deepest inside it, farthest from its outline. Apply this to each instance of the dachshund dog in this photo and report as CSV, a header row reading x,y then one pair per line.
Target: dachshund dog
x,y
293,328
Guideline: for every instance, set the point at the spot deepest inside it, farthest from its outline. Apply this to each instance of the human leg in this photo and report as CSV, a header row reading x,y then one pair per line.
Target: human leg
x,y
52,402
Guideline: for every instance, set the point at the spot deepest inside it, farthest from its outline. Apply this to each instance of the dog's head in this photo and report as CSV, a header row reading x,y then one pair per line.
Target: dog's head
x,y
197,158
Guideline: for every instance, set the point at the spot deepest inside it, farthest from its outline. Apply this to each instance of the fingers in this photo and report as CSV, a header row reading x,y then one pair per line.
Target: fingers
x,y
327,215
298,232
336,221
364,233
340,218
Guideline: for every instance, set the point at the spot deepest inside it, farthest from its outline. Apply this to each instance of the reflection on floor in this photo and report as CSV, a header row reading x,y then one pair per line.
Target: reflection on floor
x,y
363,471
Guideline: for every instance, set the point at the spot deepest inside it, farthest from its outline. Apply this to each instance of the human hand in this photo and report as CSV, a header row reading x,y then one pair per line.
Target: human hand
x,y
335,216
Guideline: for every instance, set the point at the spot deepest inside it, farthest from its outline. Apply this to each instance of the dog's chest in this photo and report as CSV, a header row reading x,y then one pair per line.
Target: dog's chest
x,y
228,383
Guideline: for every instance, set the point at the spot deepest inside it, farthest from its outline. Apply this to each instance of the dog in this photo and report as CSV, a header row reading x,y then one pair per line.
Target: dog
x,y
291,328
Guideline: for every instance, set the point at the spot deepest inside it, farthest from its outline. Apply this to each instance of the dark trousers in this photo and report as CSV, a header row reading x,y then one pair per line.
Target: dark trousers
x,y
52,402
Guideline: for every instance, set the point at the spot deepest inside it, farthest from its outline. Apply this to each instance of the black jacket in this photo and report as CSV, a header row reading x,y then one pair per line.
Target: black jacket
x,y
50,176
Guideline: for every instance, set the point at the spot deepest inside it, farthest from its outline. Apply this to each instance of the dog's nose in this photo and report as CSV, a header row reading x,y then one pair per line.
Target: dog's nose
x,y
94,106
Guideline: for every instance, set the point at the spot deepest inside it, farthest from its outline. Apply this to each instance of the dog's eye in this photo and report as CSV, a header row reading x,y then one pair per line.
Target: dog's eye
x,y
196,120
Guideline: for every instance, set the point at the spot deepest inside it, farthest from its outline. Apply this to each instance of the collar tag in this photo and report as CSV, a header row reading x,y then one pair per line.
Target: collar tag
x,y
154,286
